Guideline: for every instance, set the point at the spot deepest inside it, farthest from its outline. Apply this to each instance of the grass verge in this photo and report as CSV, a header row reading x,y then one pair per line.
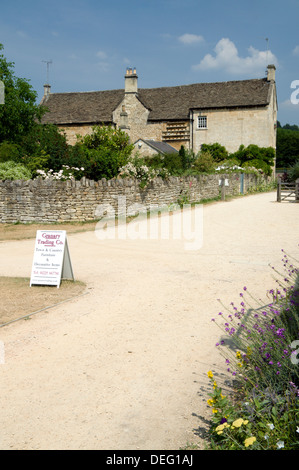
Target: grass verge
x,y
18,299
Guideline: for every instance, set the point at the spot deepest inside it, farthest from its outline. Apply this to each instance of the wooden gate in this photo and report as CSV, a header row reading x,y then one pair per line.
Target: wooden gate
x,y
287,191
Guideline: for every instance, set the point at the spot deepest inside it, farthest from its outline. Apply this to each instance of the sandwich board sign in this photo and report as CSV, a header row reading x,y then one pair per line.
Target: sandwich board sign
x,y
51,260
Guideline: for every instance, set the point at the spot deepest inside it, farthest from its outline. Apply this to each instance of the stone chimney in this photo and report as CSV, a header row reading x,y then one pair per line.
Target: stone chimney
x,y
131,79
47,90
271,73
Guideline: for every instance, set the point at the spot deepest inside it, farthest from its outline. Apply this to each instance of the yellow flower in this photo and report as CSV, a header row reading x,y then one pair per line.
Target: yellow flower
x,y
239,364
210,374
238,355
214,385
249,441
210,402
238,422
214,410
219,428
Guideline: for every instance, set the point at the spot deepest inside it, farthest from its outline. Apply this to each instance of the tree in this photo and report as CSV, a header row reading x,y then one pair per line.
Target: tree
x,y
102,153
287,147
19,112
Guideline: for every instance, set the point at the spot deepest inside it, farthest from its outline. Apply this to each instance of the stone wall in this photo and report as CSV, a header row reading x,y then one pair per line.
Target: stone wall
x,y
59,201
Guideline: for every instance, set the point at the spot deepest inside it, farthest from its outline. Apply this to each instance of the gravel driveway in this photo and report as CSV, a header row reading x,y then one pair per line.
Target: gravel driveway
x,y
124,366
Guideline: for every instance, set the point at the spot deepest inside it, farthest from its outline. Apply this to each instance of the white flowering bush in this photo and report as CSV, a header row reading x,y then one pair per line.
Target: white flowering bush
x,y
66,173
136,168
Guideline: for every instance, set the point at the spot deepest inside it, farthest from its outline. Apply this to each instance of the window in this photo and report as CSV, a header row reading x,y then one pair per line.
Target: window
x,y
202,122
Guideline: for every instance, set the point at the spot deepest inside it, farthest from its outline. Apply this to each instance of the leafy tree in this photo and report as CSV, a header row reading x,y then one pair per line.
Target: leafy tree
x,y
47,139
19,112
102,153
287,147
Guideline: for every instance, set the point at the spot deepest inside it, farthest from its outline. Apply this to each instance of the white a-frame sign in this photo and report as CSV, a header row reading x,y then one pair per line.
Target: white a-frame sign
x,y
51,261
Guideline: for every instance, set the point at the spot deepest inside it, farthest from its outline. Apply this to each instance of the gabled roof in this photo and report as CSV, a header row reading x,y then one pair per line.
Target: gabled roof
x,y
165,103
160,147
81,107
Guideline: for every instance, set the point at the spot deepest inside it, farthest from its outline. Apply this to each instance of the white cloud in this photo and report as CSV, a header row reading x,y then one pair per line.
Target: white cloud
x,y
227,58
190,39
101,55
22,34
296,50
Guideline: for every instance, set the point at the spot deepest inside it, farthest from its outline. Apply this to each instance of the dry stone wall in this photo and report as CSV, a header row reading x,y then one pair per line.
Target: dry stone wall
x,y
49,201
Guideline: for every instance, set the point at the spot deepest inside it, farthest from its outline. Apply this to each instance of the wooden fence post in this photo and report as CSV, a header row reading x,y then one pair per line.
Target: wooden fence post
x,y
279,189
297,190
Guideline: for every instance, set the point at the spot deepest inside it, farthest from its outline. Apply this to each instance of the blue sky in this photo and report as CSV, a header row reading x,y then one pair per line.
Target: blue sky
x,y
170,42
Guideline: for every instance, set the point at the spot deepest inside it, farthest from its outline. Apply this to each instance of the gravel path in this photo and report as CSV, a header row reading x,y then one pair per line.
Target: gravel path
x,y
124,366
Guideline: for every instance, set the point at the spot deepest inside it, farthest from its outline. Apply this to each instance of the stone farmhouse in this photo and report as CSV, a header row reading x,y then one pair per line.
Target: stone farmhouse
x,y
163,119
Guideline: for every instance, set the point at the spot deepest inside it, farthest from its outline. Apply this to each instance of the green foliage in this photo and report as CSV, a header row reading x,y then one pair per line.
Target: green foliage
x,y
9,152
171,162
218,152
293,171
287,147
137,168
258,157
46,140
259,165
263,411
38,161
187,158
102,153
204,162
11,170
19,111
107,137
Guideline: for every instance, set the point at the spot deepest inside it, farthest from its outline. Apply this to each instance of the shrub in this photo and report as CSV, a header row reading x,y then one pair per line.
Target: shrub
x,y
293,171
254,155
217,151
204,162
263,412
259,165
137,168
187,158
102,153
171,162
11,170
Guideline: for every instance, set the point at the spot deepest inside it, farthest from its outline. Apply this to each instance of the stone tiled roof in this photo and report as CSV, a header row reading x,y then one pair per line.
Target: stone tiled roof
x,y
166,103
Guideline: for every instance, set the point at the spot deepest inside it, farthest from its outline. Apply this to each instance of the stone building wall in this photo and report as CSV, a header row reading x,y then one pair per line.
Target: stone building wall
x,y
138,125
232,128
49,201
